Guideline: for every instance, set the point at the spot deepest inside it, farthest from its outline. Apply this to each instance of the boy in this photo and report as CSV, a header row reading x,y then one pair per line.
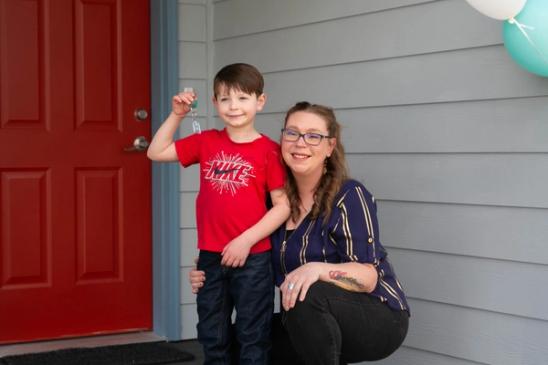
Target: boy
x,y
238,167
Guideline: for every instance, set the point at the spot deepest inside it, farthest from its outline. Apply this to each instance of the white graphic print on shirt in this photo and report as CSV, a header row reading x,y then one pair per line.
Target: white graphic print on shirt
x,y
228,173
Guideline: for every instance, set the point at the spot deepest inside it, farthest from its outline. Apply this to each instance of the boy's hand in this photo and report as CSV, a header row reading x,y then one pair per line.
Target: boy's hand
x,y
236,252
181,102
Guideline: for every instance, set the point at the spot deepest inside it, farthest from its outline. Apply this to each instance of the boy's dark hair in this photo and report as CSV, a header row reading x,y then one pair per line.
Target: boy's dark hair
x,y
239,76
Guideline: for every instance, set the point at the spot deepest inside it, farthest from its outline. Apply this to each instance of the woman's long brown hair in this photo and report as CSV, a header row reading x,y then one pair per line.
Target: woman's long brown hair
x,y
335,170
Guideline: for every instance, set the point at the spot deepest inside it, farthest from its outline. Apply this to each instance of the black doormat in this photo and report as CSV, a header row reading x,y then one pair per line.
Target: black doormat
x,y
150,353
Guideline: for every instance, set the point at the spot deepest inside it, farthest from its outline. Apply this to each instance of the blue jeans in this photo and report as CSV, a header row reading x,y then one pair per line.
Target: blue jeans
x,y
248,289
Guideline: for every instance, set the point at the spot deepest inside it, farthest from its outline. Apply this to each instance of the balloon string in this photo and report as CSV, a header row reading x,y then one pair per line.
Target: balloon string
x,y
522,27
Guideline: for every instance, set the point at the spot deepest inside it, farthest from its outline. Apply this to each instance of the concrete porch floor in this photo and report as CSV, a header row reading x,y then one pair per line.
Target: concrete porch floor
x,y
190,346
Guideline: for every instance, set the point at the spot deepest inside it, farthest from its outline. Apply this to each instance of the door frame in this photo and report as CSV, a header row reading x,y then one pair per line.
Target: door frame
x,y
166,281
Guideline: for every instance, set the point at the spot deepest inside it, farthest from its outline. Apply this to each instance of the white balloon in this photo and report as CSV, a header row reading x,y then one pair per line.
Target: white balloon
x,y
498,9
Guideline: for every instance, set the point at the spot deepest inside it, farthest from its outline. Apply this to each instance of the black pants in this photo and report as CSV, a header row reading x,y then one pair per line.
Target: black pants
x,y
333,326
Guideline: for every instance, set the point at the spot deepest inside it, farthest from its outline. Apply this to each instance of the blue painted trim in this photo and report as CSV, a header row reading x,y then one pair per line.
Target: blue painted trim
x,y
165,176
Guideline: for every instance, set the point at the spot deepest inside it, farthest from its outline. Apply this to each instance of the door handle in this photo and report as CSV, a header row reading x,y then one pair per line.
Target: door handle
x,y
140,114
139,145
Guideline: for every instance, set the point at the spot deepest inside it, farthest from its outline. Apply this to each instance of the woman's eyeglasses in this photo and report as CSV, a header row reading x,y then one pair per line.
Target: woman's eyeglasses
x,y
312,139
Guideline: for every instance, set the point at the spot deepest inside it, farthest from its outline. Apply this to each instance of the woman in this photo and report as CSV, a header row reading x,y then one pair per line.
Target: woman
x,y
341,299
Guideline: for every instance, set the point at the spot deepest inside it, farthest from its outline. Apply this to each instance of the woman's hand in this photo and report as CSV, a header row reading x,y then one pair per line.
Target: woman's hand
x,y
297,283
352,276
196,278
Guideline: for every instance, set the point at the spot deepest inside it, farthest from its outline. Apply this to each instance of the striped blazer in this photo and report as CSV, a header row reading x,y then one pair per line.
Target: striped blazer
x,y
350,235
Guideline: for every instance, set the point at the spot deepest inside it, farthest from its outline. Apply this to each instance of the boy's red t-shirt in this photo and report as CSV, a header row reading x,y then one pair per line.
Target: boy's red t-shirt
x,y
235,179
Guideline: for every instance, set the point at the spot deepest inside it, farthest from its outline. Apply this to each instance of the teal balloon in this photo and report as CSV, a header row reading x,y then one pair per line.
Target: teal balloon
x,y
532,57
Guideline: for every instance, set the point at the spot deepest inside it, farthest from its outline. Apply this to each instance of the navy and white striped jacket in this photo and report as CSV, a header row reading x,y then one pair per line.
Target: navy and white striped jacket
x,y
350,235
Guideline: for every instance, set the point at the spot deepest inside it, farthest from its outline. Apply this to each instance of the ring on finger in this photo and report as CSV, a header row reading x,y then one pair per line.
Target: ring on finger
x,y
290,286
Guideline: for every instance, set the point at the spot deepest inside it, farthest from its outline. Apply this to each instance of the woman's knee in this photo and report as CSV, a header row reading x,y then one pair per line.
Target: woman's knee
x,y
319,292
314,303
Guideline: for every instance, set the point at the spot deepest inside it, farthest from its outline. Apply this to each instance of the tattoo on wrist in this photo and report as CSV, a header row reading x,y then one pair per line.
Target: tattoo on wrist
x,y
340,276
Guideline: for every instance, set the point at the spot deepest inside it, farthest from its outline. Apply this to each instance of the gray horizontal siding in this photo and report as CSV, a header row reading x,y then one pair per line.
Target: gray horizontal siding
x,y
518,180
463,75
190,178
188,207
192,23
189,239
263,16
501,233
193,2
410,356
189,319
420,29
194,54
477,335
507,125
487,284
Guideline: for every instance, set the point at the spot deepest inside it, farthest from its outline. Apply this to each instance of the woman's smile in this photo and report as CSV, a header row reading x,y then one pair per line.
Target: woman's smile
x,y
299,156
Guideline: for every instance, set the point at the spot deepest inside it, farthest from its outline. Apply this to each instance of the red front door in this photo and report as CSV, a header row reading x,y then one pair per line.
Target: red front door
x,y
75,226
